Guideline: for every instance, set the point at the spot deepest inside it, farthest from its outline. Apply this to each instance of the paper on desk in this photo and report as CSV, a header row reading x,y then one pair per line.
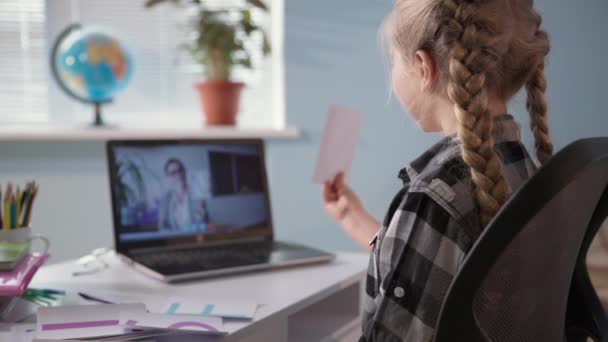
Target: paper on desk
x,y
131,319
118,297
18,332
226,308
22,310
83,321
337,149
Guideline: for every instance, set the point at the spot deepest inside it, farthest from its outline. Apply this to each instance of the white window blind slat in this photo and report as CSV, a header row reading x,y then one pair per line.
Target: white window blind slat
x,y
23,71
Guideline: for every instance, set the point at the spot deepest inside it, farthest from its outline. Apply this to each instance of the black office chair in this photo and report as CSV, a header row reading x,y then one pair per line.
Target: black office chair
x,y
516,282
584,317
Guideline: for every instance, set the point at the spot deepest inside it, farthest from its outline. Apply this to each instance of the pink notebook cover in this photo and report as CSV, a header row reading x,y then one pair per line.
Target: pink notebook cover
x,y
15,282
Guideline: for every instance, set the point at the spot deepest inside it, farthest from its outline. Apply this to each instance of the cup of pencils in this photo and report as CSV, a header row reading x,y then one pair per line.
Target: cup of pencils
x,y
16,206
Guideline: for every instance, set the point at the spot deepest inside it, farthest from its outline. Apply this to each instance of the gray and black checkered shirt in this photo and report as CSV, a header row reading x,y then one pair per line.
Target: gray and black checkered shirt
x,y
430,226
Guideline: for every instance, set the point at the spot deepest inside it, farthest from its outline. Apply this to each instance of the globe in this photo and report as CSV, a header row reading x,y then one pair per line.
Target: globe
x,y
91,65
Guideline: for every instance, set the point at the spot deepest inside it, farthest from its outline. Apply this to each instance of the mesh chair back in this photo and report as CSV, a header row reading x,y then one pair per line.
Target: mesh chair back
x,y
515,282
524,297
586,316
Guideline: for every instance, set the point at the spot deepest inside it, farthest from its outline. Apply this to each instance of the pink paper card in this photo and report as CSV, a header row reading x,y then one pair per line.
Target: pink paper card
x,y
337,149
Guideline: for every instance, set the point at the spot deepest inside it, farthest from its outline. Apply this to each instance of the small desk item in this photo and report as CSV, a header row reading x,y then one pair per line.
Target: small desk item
x,y
42,298
15,282
106,297
337,149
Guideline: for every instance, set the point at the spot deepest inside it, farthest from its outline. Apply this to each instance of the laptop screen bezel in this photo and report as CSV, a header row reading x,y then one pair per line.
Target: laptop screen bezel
x,y
261,233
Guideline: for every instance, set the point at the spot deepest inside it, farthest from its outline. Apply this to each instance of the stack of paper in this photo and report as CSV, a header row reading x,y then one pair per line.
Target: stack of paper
x,y
213,307
118,322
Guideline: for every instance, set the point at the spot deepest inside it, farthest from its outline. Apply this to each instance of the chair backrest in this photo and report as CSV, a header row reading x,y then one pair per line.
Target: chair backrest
x,y
514,284
586,316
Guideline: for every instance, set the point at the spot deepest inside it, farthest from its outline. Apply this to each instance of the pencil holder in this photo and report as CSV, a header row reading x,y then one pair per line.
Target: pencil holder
x,y
24,234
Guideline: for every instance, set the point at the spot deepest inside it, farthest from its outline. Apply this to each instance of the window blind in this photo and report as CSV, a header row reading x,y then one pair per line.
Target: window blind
x,y
23,62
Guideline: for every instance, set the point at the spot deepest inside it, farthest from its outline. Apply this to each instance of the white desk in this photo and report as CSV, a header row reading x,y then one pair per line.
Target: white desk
x,y
308,303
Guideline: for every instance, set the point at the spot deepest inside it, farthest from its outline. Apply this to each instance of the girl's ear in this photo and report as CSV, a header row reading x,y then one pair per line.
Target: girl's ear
x,y
427,70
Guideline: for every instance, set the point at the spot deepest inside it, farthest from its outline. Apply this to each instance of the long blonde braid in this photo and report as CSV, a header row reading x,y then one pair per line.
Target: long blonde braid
x,y
537,102
471,57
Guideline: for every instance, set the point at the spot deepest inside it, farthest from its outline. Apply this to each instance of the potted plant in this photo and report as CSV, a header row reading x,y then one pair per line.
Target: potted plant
x,y
219,46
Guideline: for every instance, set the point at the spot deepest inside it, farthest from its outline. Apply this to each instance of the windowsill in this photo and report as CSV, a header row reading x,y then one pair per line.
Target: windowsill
x,y
67,133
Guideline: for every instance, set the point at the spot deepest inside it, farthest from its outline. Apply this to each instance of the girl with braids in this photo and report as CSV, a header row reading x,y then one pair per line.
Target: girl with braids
x,y
455,65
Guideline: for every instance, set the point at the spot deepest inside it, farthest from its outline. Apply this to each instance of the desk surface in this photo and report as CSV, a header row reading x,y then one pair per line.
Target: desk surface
x,y
281,292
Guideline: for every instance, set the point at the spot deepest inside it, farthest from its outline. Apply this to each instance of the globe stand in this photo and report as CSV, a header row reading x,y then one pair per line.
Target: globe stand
x,y
98,118
98,121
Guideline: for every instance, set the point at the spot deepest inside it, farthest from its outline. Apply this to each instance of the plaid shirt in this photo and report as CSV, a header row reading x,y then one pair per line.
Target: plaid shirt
x,y
430,226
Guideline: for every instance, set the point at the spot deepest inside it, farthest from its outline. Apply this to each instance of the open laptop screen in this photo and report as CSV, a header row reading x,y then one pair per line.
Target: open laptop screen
x,y
180,190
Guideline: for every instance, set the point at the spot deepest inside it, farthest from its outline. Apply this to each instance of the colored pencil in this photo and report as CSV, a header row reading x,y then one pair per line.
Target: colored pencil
x,y
7,208
47,291
13,207
26,191
1,211
7,215
24,205
18,205
28,213
9,192
41,295
8,197
94,299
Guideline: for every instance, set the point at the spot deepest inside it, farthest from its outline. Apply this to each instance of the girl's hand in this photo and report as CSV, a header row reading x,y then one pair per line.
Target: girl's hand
x,y
343,205
339,200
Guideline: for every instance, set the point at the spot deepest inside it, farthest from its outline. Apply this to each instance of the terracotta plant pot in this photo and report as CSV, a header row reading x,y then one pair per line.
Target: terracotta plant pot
x,y
220,101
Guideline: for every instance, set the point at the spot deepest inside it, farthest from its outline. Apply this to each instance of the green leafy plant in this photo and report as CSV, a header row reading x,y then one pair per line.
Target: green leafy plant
x,y
221,33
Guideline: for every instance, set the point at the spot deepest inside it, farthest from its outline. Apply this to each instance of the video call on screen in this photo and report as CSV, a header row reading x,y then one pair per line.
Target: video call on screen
x,y
180,190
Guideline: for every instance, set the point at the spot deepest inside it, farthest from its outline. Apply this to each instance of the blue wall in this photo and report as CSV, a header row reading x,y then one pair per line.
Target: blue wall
x,y
331,57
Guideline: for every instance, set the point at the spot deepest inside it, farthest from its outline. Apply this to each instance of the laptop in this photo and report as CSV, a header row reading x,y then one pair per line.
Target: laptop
x,y
186,209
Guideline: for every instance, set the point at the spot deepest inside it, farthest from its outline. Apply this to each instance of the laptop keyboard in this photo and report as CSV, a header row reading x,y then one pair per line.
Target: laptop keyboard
x,y
208,258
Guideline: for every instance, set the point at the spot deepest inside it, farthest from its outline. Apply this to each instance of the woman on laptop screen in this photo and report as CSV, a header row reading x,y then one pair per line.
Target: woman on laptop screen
x,y
179,209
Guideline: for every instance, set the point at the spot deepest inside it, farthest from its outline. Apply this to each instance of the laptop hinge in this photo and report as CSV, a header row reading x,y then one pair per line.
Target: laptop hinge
x,y
196,245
